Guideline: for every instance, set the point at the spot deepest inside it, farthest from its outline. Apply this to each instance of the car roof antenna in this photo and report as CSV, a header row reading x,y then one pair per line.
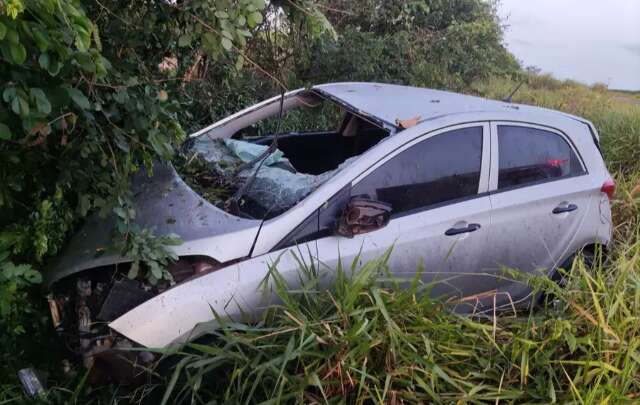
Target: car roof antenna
x,y
233,204
508,99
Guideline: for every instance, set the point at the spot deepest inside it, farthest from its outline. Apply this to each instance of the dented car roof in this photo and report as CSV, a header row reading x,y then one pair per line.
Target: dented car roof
x,y
391,103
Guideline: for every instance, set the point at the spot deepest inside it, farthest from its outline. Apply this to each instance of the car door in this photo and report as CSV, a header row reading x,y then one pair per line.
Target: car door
x,y
437,187
539,200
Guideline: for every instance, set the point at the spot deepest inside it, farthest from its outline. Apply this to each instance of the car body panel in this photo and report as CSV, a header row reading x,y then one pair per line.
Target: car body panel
x,y
390,103
164,203
527,236
239,293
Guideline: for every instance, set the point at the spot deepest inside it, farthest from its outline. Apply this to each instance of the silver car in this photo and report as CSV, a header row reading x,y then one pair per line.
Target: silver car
x,y
461,187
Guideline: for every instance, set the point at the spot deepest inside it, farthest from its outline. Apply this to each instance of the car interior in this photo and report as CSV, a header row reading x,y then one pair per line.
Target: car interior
x,y
317,152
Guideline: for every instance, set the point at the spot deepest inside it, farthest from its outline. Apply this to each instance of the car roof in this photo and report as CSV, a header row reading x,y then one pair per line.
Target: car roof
x,y
391,103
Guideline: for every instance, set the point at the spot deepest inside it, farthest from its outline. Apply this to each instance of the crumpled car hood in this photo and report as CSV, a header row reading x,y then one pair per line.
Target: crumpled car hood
x,y
166,204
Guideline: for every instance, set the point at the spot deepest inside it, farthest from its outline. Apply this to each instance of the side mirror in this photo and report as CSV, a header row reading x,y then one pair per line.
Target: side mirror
x,y
361,215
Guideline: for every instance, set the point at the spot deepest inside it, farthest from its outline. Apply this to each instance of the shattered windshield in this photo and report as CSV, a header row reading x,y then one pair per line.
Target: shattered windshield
x,y
317,138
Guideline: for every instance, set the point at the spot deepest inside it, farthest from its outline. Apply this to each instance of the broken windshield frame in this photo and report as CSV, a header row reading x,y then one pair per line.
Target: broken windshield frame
x,y
229,126
305,158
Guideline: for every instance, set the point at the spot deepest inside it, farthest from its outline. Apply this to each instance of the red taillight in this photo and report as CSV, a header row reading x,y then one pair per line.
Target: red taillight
x,y
556,162
609,188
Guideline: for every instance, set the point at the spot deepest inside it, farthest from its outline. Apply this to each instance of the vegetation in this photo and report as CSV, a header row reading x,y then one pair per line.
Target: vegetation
x,y
94,91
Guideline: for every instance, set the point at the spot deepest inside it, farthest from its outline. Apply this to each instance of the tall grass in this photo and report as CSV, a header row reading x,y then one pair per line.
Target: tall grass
x,y
365,340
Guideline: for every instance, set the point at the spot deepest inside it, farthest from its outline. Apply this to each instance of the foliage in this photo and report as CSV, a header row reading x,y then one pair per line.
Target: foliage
x,y
143,247
72,132
451,45
437,44
74,126
78,116
13,279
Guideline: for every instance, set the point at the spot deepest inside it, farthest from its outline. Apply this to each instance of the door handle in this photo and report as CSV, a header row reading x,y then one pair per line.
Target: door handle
x,y
561,209
458,231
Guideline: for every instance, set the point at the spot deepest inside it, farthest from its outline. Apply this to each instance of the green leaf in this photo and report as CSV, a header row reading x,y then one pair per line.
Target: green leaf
x,y
208,39
3,31
42,102
43,61
8,94
83,39
172,239
32,276
86,62
79,98
133,271
42,39
84,204
5,132
239,63
20,106
254,19
18,53
12,36
122,143
227,44
54,65
184,40
221,14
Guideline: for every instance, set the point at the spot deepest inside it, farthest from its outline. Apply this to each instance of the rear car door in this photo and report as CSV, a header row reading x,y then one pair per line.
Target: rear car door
x,y
540,195
437,186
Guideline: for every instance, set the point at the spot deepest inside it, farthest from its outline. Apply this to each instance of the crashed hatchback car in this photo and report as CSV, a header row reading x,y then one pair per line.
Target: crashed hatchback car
x,y
460,186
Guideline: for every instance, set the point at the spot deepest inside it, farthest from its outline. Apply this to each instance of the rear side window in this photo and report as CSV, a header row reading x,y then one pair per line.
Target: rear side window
x,y
530,155
443,168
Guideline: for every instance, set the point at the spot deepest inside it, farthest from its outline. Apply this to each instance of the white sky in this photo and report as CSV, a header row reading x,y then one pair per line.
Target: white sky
x,y
585,40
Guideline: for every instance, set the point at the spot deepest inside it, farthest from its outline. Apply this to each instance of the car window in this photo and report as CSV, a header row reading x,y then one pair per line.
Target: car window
x,y
530,155
442,168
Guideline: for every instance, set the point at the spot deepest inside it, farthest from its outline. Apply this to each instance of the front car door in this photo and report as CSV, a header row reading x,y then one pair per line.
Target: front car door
x,y
540,195
437,185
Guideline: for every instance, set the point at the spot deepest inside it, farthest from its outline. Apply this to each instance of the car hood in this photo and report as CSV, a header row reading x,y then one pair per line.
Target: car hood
x,y
166,204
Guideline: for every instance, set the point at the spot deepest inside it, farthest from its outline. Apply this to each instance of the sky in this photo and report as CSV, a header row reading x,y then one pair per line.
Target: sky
x,y
585,40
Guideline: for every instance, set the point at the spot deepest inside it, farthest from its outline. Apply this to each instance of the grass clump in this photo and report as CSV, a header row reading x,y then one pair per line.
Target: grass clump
x,y
365,339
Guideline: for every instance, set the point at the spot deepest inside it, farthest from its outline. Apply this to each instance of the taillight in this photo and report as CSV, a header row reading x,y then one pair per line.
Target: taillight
x,y
609,188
